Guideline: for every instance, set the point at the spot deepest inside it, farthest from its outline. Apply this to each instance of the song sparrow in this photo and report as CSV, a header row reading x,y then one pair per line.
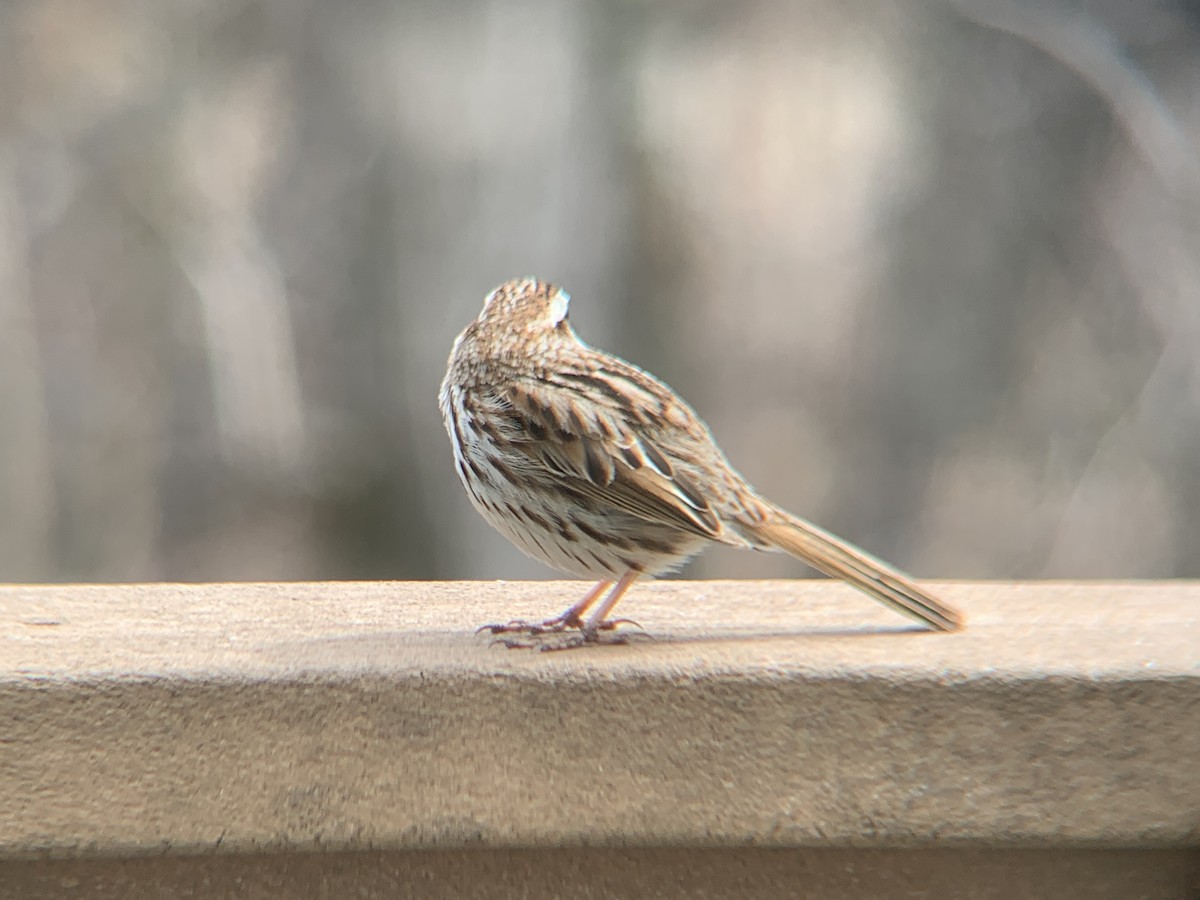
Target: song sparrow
x,y
600,470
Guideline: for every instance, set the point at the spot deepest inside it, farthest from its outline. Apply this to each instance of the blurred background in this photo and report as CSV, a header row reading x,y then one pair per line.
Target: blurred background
x,y
930,270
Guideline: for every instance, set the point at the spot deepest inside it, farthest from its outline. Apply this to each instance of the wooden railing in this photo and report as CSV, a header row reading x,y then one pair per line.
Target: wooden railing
x,y
757,737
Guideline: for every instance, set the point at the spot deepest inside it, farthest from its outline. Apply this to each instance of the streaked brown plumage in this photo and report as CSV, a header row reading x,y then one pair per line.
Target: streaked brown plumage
x,y
600,470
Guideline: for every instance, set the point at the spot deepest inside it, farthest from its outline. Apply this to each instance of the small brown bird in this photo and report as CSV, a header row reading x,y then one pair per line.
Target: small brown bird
x,y
600,470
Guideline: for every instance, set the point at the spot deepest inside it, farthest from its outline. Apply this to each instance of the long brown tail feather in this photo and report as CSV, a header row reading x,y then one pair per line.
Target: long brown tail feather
x,y
839,559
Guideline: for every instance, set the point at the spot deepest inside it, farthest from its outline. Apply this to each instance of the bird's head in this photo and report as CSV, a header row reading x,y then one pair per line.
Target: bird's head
x,y
527,307
522,324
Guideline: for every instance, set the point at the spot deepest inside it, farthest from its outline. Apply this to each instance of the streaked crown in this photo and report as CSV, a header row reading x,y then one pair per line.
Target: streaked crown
x,y
525,305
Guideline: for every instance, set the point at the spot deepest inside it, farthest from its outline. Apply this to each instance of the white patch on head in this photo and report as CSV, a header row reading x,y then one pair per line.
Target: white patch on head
x,y
559,306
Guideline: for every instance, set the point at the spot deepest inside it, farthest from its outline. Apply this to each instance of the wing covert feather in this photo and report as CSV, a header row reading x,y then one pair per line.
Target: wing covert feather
x,y
600,448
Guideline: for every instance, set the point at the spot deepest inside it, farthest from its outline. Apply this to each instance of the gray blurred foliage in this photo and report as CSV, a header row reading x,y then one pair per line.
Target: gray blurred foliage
x,y
929,269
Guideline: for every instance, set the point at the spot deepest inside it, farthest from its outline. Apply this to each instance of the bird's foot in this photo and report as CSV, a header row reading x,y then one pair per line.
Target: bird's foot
x,y
557,625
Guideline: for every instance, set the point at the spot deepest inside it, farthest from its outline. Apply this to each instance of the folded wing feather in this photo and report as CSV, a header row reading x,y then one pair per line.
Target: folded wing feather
x,y
599,451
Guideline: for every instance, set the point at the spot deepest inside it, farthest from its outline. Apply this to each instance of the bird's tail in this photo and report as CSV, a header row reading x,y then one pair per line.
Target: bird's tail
x,y
839,559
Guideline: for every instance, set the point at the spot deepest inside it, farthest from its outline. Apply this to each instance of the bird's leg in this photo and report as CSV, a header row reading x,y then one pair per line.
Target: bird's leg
x,y
570,618
573,617
598,621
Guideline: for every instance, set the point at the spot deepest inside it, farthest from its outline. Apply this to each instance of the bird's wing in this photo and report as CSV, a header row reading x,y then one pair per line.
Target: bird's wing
x,y
600,436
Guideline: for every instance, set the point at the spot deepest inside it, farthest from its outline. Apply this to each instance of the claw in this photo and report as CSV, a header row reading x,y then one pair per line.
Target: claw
x,y
611,624
497,628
